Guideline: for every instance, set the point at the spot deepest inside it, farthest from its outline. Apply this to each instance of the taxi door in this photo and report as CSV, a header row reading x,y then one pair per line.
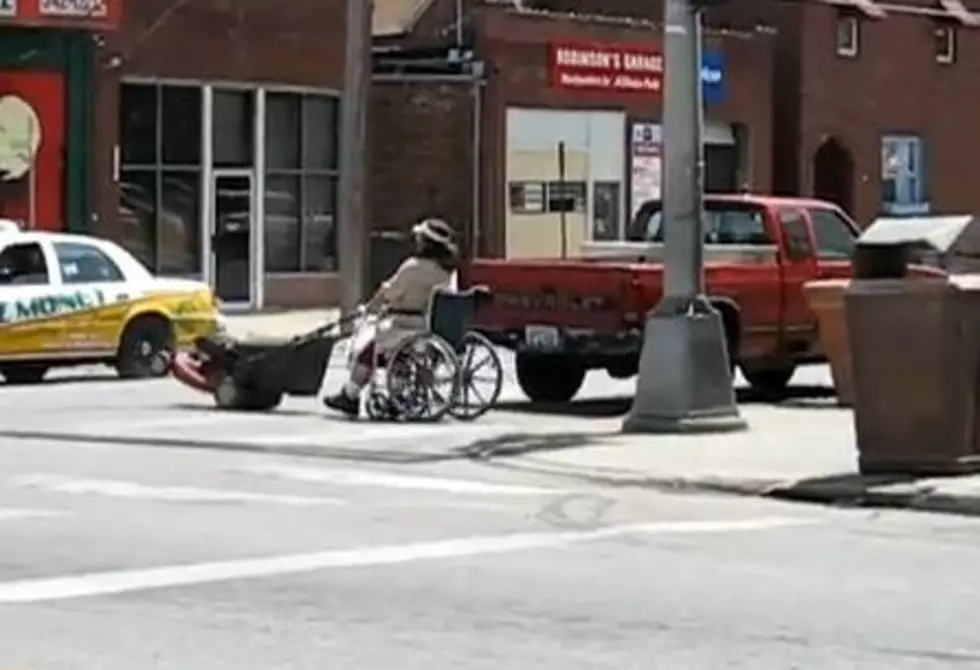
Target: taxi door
x,y
29,324
95,284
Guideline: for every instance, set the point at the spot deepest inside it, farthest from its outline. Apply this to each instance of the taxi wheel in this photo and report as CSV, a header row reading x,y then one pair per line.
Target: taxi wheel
x,y
24,373
145,342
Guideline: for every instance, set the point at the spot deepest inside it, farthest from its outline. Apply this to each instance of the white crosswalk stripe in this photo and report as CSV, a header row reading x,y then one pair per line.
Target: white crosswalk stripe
x,y
348,477
126,489
16,513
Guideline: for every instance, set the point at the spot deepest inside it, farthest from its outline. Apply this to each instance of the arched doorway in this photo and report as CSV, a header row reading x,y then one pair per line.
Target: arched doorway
x,y
833,174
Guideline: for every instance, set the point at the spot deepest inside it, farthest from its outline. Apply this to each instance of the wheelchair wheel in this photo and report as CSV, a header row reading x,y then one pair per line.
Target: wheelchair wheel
x,y
422,376
481,378
379,407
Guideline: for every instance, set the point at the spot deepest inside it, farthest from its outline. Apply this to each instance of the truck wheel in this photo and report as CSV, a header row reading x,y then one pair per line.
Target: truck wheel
x,y
23,373
143,348
769,380
546,378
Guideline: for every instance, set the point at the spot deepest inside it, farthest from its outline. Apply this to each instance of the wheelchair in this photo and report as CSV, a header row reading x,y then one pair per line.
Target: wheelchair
x,y
448,370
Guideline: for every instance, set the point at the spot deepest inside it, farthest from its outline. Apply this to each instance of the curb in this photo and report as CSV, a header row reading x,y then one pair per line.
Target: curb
x,y
850,494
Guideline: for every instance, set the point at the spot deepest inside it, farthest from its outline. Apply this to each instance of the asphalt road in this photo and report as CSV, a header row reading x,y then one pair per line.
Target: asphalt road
x,y
120,553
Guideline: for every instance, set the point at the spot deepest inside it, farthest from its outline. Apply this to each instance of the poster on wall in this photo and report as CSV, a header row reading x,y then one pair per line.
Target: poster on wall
x,y
646,164
32,147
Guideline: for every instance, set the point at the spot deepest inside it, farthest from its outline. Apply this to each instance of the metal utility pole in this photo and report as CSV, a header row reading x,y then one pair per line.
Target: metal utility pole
x,y
684,383
353,234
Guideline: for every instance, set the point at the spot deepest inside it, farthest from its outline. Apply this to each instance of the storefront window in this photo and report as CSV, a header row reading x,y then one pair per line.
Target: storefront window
x,y
233,141
903,175
160,176
605,210
301,182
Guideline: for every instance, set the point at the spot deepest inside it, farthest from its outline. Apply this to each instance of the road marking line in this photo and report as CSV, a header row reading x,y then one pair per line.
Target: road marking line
x,y
127,581
123,489
347,477
317,435
129,424
15,514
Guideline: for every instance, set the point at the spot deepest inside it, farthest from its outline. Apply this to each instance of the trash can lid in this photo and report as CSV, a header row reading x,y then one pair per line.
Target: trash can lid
x,y
939,233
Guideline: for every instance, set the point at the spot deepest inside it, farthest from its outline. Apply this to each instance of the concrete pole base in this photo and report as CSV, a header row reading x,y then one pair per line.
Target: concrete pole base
x,y
685,380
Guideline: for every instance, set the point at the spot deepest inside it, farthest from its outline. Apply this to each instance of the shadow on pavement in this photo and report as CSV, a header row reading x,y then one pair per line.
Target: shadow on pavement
x,y
66,379
279,411
809,397
516,444
407,456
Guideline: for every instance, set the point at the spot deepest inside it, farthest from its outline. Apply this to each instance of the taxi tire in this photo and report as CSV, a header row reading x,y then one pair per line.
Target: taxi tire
x,y
134,363
23,373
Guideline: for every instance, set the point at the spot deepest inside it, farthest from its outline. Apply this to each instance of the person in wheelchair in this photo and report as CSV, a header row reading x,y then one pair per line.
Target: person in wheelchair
x,y
405,295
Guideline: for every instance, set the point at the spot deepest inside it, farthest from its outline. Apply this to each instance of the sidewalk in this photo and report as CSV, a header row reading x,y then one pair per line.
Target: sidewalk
x,y
801,452
276,324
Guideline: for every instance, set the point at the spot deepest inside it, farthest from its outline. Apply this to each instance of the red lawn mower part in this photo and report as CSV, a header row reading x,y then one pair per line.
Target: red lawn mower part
x,y
191,371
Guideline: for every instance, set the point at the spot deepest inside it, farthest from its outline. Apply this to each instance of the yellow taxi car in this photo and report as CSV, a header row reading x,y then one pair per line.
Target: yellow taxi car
x,y
77,300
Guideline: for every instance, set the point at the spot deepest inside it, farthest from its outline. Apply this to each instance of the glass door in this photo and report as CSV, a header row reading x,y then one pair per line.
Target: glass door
x,y
233,213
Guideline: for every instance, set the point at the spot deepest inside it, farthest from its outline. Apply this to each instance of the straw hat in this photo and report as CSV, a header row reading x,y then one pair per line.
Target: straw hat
x,y
436,230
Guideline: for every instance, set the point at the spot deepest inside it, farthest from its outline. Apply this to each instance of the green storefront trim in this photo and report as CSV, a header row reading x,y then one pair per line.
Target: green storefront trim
x,y
73,53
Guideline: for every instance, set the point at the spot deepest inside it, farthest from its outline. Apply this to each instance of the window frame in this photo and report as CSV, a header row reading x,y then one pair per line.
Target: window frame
x,y
521,208
160,168
945,33
812,214
580,195
617,187
303,265
797,247
120,276
910,180
853,25
49,276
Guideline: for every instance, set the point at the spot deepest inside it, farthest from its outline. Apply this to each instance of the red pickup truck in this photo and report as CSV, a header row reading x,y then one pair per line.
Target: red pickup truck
x,y
566,317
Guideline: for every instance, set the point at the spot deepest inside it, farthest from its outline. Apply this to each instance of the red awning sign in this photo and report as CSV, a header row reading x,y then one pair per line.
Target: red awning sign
x,y
82,14
601,67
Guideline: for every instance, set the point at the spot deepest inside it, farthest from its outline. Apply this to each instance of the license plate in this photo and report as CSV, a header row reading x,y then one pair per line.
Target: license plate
x,y
542,338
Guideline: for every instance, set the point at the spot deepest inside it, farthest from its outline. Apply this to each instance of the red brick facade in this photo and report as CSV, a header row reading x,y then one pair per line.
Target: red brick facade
x,y
783,79
513,47
893,85
300,42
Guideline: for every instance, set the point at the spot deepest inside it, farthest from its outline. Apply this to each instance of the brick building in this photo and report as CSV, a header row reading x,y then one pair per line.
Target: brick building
x,y
202,135
866,104
508,124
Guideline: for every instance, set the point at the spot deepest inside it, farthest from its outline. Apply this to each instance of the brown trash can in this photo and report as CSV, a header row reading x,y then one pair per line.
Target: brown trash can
x,y
826,300
915,346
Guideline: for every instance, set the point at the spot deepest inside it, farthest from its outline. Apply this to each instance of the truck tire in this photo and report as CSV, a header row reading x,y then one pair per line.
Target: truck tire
x,y
549,378
770,380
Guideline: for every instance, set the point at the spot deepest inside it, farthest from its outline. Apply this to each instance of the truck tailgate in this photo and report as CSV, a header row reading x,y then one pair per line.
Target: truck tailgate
x,y
572,295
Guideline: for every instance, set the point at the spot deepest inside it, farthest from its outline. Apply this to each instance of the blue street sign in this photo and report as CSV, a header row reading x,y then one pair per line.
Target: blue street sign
x,y
712,76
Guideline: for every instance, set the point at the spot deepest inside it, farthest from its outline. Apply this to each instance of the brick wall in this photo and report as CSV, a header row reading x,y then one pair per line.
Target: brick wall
x,y
515,48
894,85
421,160
299,42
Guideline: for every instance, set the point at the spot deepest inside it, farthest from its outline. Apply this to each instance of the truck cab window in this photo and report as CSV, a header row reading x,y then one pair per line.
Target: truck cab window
x,y
23,265
723,223
834,235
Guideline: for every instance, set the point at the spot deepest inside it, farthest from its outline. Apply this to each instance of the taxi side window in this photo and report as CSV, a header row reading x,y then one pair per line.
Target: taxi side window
x,y
23,265
85,264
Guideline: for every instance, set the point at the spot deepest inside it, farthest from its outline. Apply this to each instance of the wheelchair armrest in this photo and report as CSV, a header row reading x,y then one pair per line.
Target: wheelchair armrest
x,y
481,294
